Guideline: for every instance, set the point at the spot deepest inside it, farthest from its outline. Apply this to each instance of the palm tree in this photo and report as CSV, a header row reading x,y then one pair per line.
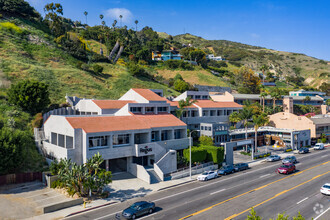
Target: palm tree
x,y
114,23
263,95
86,13
263,68
103,23
101,16
136,22
306,99
120,16
258,121
235,118
275,94
182,105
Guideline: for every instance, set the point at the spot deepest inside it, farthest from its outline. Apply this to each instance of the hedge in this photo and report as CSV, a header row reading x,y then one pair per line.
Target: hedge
x,y
205,153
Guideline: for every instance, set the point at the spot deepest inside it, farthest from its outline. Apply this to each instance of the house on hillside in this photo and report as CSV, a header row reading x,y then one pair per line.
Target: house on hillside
x,y
212,57
166,55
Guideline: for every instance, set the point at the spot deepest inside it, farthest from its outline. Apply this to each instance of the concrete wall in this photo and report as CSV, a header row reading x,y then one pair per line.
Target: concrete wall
x,y
139,171
61,205
159,172
291,121
168,163
87,105
132,95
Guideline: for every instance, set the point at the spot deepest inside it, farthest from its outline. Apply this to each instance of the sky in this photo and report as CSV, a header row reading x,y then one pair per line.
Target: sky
x,y
287,25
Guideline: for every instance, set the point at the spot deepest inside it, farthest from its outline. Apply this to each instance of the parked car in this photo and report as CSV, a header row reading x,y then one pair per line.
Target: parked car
x,y
303,150
289,159
241,166
325,189
319,146
286,168
137,209
272,158
207,175
226,170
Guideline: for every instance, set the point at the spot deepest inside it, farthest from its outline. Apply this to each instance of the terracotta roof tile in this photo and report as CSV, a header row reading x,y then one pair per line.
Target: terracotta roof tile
x,y
213,104
176,104
122,123
149,95
111,104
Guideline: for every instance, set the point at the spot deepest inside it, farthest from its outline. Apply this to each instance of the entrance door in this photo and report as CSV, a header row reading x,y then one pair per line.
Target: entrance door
x,y
145,161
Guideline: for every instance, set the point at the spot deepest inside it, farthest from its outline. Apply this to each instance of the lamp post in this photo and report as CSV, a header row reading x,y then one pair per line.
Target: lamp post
x,y
190,152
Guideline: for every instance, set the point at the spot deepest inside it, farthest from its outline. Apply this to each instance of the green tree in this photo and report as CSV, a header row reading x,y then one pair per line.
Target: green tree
x,y
181,86
18,8
253,215
275,94
182,105
121,18
32,96
136,23
143,54
325,87
306,99
234,118
55,21
86,13
264,68
246,80
205,141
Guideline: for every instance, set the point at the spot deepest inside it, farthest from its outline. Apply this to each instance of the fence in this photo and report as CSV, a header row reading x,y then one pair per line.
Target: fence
x,y
184,172
20,178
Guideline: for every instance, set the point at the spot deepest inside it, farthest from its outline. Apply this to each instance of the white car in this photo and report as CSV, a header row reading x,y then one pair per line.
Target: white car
x,y
325,189
319,146
273,158
207,175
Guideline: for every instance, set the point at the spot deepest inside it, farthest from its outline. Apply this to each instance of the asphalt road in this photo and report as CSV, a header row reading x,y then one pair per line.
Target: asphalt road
x,y
232,196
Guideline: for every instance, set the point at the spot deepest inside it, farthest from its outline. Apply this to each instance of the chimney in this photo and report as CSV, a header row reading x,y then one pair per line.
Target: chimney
x,y
324,109
288,104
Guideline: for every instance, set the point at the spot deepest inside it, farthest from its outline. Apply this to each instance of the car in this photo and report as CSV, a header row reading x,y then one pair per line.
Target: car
x,y
241,166
137,209
226,170
272,158
207,175
286,168
319,146
289,159
303,150
325,189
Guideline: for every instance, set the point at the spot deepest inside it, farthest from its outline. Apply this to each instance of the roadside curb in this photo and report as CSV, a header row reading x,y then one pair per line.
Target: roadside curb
x,y
175,185
85,210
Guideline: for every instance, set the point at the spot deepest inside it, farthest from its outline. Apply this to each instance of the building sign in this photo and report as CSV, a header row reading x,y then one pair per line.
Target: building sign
x,y
145,149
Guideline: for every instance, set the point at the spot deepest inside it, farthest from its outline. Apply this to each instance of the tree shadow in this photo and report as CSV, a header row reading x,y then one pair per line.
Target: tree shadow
x,y
123,195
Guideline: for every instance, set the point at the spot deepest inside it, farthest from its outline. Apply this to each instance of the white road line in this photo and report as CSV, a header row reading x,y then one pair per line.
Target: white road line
x,y
105,216
217,191
302,200
321,214
147,216
324,156
264,175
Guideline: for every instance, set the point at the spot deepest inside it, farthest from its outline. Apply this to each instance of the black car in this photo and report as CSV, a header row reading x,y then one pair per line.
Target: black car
x,y
241,166
303,150
137,209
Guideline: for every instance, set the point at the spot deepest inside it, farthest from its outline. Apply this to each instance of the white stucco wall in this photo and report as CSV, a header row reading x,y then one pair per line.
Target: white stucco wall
x,y
132,95
87,105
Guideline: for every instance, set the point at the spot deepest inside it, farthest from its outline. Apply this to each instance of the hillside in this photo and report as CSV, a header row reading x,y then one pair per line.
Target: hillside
x,y
282,64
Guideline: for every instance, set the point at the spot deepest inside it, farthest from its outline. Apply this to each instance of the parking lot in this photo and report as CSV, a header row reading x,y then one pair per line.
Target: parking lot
x,y
26,200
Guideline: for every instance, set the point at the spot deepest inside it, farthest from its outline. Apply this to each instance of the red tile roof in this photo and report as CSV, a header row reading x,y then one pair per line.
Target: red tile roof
x,y
149,95
111,104
176,103
122,123
213,104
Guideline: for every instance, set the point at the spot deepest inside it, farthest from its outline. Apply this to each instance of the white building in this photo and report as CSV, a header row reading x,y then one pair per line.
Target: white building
x,y
212,57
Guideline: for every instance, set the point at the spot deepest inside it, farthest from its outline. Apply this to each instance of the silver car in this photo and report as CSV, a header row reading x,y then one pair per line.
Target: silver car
x,y
289,159
272,158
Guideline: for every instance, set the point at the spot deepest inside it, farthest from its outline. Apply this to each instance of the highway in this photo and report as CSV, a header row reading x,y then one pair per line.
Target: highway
x,y
232,196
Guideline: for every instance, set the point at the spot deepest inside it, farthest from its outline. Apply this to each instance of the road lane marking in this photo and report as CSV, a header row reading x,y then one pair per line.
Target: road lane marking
x,y
105,216
264,175
232,198
324,156
302,200
321,214
278,194
217,191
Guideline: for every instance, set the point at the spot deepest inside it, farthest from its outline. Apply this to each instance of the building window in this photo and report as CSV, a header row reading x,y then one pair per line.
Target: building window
x,y
197,97
120,139
212,112
136,109
61,142
68,142
98,141
149,109
162,109
205,97
204,113
184,114
194,113
153,136
177,134
164,136
54,138
209,128
202,127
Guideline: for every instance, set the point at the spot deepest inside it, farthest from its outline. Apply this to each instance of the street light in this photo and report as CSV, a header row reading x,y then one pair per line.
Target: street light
x,y
190,152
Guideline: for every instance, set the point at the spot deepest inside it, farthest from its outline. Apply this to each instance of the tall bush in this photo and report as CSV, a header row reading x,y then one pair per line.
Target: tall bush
x,y
197,154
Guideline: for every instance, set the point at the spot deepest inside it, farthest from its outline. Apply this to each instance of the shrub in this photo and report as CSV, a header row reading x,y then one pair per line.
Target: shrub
x,y
57,184
215,154
97,68
198,154
205,140
175,64
84,66
288,150
37,121
181,86
137,70
11,27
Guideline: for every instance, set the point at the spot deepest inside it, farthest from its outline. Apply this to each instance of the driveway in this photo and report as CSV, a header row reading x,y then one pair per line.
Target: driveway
x,y
25,200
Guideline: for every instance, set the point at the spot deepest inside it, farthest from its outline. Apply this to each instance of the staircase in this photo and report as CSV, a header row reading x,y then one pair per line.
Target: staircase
x,y
153,176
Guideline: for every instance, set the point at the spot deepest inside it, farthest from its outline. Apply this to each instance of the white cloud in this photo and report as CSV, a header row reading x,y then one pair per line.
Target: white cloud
x,y
114,13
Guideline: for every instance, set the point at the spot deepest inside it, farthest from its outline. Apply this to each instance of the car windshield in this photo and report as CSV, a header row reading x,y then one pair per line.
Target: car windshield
x,y
205,173
285,166
326,186
287,158
134,206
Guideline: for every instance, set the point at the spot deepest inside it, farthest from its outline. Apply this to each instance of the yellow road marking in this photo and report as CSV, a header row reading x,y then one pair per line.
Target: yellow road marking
x,y
261,187
278,194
